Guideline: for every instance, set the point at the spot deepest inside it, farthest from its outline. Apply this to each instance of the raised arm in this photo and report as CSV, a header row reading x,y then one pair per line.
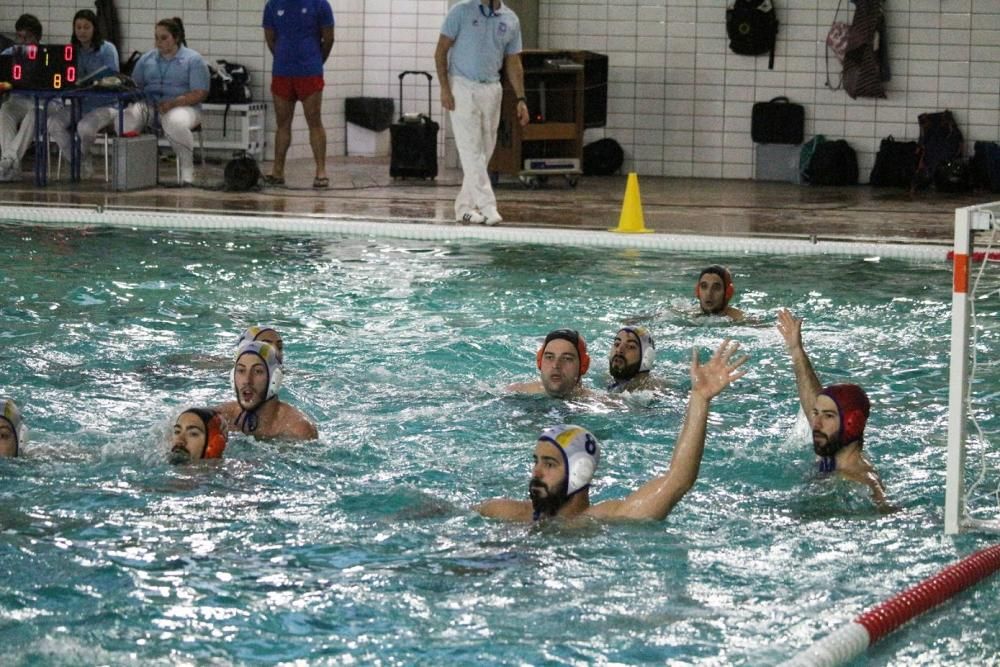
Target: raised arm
x,y
655,498
806,380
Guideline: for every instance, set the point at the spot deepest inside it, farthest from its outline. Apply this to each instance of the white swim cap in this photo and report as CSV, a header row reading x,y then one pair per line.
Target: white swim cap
x,y
9,412
269,354
647,348
580,451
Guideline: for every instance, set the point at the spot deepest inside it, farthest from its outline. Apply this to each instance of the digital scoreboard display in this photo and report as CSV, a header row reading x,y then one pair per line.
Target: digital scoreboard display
x,y
39,66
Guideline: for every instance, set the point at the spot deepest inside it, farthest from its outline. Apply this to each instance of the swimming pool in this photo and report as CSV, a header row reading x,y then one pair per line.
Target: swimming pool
x,y
360,548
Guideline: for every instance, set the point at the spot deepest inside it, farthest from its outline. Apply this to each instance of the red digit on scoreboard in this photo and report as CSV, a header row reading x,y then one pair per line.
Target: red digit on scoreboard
x,y
32,51
71,74
17,73
68,53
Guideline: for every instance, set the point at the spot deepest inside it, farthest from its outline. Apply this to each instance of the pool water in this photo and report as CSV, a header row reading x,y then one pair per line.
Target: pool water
x,y
361,547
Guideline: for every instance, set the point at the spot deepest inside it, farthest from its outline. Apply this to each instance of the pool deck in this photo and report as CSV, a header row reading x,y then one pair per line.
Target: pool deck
x,y
361,187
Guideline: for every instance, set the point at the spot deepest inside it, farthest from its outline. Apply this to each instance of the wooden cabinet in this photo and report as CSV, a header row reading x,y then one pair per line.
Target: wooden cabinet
x,y
552,143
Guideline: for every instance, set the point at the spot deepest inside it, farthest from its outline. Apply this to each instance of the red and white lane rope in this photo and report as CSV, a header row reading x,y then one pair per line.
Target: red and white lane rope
x,y
851,640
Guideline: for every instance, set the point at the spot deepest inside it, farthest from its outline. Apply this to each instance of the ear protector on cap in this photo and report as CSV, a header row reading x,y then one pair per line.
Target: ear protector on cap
x,y
575,339
216,432
581,454
647,347
9,412
269,355
854,407
723,273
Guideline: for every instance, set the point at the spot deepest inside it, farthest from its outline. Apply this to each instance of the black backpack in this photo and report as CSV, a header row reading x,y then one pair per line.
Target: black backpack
x,y
752,26
940,141
229,83
895,164
603,157
834,163
953,176
985,166
241,174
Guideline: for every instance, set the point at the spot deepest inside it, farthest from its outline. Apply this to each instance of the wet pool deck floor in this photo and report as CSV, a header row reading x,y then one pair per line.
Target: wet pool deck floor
x,y
361,187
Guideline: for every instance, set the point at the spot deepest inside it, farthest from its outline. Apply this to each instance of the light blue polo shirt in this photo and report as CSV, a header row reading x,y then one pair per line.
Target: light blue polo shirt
x,y
92,60
482,40
163,79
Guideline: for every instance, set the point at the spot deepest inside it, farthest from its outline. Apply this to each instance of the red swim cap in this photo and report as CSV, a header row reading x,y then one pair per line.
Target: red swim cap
x,y
854,407
216,432
575,339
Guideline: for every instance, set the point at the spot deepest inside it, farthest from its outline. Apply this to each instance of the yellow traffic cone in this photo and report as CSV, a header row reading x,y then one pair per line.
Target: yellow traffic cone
x,y
631,220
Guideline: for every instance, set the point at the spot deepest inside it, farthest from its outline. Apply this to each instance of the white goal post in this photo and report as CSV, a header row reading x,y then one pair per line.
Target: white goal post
x,y
968,221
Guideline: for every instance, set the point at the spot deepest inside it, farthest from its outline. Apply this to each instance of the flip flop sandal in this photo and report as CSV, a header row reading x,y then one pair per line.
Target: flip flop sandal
x,y
321,182
273,181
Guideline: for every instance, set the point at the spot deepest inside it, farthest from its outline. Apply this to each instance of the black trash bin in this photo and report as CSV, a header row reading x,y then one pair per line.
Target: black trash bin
x,y
372,113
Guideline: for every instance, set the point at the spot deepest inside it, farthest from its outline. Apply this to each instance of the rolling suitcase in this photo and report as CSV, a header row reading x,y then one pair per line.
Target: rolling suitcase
x,y
414,139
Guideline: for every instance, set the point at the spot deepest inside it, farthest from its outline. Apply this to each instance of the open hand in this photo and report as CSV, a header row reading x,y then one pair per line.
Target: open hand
x,y
790,329
710,379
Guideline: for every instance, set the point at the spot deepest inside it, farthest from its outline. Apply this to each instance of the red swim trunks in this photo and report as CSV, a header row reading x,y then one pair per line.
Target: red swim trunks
x,y
295,88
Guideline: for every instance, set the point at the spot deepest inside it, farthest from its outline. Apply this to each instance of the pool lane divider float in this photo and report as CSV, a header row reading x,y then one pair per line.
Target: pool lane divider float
x,y
435,231
851,640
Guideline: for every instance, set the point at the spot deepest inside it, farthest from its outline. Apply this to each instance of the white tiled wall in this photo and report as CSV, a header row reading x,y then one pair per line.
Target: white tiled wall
x,y
679,100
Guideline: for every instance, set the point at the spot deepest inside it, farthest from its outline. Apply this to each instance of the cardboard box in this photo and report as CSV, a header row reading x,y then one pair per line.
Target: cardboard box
x,y
777,162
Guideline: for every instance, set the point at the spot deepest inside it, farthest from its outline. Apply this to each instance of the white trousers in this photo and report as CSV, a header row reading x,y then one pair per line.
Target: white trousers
x,y
17,126
177,125
474,123
92,122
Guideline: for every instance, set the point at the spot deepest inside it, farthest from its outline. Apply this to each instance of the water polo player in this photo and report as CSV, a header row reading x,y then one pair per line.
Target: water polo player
x,y
256,378
562,361
837,416
567,456
199,433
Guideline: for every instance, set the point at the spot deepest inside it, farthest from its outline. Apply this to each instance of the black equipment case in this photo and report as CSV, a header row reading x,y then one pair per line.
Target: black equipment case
x,y
414,139
779,121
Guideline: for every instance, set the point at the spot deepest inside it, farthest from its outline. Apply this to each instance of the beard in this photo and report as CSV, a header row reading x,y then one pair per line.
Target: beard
x,y
826,446
543,500
179,455
623,371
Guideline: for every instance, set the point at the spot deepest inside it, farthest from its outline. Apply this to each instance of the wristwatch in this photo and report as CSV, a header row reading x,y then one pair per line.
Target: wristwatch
x,y
523,99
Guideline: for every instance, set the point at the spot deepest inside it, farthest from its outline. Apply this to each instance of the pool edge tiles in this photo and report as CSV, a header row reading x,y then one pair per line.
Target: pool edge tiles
x,y
425,231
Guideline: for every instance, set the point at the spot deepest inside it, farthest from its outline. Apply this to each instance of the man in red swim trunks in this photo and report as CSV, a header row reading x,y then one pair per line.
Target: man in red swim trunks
x,y
299,34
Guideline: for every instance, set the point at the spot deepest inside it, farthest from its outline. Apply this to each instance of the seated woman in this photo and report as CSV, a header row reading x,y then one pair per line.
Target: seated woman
x,y
175,81
93,53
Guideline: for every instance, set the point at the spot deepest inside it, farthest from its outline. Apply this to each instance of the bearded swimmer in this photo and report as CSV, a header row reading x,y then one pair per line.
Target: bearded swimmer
x,y
11,429
562,361
837,415
199,433
567,456
257,410
714,290
630,360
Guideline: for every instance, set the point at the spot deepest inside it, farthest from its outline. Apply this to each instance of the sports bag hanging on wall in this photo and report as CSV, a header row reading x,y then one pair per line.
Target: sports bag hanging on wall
x,y
862,66
752,26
